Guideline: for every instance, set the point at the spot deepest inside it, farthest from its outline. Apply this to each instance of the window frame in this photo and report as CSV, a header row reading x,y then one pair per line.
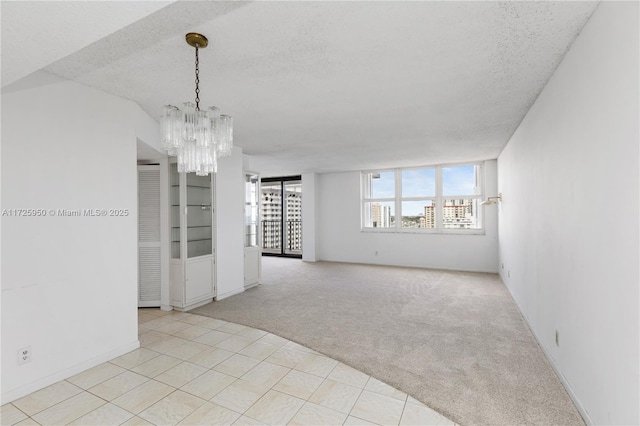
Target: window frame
x,y
438,199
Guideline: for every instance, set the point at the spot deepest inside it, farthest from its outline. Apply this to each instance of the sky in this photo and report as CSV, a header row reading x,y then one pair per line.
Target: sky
x,y
456,180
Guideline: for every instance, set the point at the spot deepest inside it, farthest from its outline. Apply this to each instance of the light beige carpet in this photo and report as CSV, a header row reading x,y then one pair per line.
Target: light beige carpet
x,y
453,340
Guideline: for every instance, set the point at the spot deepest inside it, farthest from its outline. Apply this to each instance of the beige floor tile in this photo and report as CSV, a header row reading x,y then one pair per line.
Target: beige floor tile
x,y
272,339
354,421
156,311
134,358
316,365
213,337
10,415
119,385
248,421
299,384
212,323
312,414
95,375
151,337
193,319
349,376
378,408
211,357
337,396
137,421
266,374
192,332
181,374
187,350
236,365
156,366
143,396
239,396
208,384
142,318
27,422
157,323
259,350
275,408
172,409
287,357
166,344
47,397
234,343
296,347
142,329
420,414
413,400
107,414
173,327
232,328
69,409
252,333
375,385
211,414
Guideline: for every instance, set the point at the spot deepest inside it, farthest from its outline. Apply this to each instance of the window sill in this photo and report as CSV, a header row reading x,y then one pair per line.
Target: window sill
x,y
424,231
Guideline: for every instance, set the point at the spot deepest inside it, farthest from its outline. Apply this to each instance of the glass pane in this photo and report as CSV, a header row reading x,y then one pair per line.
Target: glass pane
x,y
199,215
461,180
461,214
380,185
419,183
293,224
418,214
251,185
379,215
271,214
174,195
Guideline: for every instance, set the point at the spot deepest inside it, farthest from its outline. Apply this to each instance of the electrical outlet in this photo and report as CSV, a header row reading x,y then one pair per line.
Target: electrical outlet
x,y
24,355
503,266
557,338
376,252
508,274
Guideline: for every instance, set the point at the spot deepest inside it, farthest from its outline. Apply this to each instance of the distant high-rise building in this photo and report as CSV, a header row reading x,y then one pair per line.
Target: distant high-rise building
x,y
456,214
380,215
271,219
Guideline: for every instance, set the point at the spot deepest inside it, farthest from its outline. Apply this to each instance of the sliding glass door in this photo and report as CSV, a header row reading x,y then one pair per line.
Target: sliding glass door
x,y
281,210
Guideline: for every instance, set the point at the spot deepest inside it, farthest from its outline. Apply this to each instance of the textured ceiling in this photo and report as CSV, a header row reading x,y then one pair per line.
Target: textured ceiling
x,y
331,86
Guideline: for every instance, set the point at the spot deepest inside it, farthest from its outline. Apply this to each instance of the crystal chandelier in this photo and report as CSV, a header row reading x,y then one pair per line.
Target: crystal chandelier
x,y
197,138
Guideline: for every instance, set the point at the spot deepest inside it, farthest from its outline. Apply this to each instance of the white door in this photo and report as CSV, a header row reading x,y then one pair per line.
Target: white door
x,y
149,247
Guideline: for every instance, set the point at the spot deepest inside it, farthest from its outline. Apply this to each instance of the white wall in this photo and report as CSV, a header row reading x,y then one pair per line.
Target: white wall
x,y
569,218
230,225
340,239
69,284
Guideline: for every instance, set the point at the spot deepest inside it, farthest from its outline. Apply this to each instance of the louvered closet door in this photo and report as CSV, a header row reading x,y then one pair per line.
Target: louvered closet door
x,y
149,258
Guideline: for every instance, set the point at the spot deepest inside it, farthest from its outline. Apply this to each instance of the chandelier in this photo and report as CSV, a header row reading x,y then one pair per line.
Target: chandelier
x,y
197,138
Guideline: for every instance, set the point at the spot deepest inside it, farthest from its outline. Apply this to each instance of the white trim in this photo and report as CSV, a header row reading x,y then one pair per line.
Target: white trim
x,y
230,293
17,393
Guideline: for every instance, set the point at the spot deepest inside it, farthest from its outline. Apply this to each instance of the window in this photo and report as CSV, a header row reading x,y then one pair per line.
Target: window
x,y
426,199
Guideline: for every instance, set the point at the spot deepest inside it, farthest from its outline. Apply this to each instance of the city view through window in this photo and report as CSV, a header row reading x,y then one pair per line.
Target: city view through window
x,y
439,197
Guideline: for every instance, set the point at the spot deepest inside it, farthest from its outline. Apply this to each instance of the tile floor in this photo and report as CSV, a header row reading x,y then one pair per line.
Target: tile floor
x,y
194,370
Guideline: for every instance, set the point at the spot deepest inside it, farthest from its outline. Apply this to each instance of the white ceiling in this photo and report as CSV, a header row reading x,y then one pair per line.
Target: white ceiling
x,y
316,86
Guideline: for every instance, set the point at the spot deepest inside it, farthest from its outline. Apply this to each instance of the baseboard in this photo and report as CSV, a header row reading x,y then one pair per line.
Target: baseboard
x,y
25,390
567,386
229,293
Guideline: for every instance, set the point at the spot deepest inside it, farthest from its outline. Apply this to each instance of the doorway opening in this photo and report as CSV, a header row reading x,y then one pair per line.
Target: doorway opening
x,y
281,216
